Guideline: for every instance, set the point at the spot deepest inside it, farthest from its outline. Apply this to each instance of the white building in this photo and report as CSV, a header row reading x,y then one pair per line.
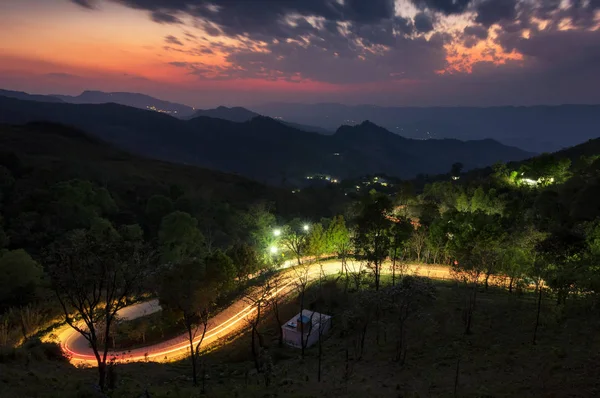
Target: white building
x,y
306,326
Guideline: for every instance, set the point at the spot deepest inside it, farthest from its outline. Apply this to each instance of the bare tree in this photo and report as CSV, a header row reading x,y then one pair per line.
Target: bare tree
x,y
191,290
301,280
294,237
418,240
30,317
277,283
259,299
93,278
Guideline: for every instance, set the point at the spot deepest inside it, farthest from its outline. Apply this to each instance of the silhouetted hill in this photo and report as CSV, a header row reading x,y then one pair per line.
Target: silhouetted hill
x,y
235,114
28,97
53,152
533,128
135,100
240,115
262,148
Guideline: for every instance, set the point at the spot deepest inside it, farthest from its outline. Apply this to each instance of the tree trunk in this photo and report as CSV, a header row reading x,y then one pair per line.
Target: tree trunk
x,y
510,285
320,354
537,318
302,345
456,378
254,332
101,375
192,353
394,268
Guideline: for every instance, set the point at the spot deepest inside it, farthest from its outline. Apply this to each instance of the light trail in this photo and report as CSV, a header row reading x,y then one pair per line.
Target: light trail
x,y
222,324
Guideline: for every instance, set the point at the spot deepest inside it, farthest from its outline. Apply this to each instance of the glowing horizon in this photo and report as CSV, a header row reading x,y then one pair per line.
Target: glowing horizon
x,y
205,58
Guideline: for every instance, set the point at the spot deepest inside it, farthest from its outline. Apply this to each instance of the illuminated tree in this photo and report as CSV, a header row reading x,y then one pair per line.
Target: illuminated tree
x,y
93,278
372,239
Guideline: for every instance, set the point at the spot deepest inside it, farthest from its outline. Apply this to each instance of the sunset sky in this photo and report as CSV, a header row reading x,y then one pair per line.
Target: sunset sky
x,y
244,52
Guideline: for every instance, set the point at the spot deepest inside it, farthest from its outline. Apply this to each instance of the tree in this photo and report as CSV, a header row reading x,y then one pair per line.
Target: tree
x,y
179,238
20,275
93,278
246,261
157,207
259,299
371,240
456,170
183,291
405,298
400,233
302,277
338,237
258,223
317,241
294,237
276,283
474,242
418,240
191,290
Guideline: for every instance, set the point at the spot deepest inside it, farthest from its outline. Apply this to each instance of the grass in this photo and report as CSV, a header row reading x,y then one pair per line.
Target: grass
x,y
497,360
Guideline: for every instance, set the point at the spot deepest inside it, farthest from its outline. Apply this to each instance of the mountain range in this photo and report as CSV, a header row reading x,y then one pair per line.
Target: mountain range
x,y
261,148
532,128
135,100
240,115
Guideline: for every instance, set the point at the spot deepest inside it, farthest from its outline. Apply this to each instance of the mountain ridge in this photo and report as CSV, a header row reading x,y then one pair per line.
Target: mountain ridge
x,y
263,148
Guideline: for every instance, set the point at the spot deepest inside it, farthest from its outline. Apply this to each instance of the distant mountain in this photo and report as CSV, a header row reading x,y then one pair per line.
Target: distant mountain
x,y
28,97
135,100
240,115
235,114
262,148
534,128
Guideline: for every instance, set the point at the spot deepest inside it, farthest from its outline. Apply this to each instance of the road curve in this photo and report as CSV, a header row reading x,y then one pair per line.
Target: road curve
x,y
222,324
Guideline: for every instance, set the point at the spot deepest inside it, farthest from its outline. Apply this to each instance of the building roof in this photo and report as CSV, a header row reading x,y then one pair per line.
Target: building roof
x,y
307,316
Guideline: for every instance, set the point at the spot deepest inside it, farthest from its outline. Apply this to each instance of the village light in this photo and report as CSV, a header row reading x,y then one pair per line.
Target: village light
x,y
277,232
306,227
273,250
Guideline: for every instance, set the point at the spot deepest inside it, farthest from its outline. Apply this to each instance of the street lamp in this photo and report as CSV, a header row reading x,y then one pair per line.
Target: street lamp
x,y
277,232
306,227
273,250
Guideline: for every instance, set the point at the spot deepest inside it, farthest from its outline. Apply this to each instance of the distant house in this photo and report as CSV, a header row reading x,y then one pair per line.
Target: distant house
x,y
305,326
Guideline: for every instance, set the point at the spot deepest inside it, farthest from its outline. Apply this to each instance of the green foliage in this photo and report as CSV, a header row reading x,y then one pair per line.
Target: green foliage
x,y
157,207
246,260
317,240
371,238
294,238
20,275
258,224
179,238
338,237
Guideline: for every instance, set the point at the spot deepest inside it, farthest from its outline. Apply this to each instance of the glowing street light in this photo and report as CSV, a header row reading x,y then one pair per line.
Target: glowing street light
x,y
277,232
306,227
273,250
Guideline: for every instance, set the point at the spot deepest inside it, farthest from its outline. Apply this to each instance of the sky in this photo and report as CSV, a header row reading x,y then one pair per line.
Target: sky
x,y
243,52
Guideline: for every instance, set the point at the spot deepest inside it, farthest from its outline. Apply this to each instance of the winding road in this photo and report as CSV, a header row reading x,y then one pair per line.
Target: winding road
x,y
221,325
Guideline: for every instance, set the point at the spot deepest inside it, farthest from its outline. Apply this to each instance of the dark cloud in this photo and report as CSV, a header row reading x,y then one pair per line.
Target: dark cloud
x,y
91,4
479,32
364,41
491,11
163,17
447,7
173,40
423,23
